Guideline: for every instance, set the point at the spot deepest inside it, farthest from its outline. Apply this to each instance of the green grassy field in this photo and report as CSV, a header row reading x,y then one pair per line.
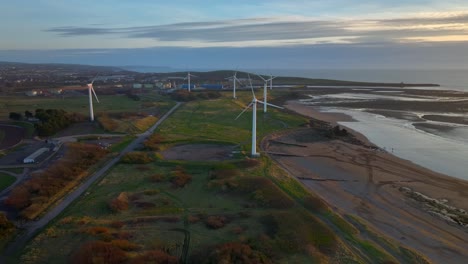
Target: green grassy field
x,y
79,104
137,208
6,180
215,120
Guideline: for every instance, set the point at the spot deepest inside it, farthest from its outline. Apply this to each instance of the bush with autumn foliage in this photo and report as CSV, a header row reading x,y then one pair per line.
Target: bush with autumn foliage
x,y
235,252
36,194
120,203
94,252
153,142
6,227
137,157
180,177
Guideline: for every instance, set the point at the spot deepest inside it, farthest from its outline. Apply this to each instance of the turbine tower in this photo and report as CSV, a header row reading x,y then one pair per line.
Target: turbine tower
x,y
254,119
234,82
90,92
265,96
188,79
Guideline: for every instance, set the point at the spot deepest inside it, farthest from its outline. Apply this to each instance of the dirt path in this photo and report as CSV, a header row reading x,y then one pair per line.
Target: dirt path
x,y
33,228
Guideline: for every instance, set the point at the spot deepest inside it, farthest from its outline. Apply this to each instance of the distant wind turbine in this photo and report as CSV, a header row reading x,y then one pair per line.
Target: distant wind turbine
x,y
265,95
234,82
188,79
254,118
271,81
90,92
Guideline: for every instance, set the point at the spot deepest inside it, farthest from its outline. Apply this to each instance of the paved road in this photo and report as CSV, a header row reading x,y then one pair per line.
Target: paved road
x,y
32,228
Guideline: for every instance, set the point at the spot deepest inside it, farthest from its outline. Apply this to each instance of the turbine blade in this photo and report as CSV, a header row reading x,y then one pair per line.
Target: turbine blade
x,y
243,111
94,78
272,105
95,96
262,78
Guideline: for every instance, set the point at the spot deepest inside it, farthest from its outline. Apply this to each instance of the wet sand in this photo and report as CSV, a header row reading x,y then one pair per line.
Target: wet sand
x,y
379,188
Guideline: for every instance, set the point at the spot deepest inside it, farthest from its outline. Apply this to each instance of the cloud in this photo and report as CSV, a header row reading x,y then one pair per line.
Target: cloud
x,y
278,31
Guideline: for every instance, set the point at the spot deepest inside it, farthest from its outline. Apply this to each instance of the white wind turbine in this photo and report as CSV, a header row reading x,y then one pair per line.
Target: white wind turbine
x,y
91,91
188,79
234,82
254,119
265,96
271,81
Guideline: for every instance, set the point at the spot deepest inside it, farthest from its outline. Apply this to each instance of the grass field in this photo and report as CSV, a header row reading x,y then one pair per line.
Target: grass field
x,y
241,205
215,120
79,104
6,180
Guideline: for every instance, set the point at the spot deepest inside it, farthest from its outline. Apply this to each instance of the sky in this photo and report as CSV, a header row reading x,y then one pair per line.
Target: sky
x,y
288,34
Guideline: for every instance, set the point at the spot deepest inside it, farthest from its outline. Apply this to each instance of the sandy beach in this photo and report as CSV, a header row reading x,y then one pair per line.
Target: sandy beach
x,y
409,204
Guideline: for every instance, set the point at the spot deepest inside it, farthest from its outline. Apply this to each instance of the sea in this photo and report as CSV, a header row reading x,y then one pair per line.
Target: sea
x,y
443,151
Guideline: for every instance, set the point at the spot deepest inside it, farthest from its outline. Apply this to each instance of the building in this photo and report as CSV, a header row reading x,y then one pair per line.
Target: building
x,y
212,86
185,86
148,86
32,158
31,93
137,86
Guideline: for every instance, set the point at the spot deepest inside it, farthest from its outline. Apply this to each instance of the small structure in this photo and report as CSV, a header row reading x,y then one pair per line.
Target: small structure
x,y
212,86
148,86
185,86
31,93
137,86
32,158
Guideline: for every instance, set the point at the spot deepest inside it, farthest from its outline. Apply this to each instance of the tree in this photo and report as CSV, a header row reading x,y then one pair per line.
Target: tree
x,y
28,114
15,116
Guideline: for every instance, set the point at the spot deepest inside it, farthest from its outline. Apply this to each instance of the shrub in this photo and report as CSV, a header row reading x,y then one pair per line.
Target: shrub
x,y
120,203
117,224
180,177
6,227
124,244
107,123
137,157
97,230
192,219
235,252
153,142
94,252
155,256
216,222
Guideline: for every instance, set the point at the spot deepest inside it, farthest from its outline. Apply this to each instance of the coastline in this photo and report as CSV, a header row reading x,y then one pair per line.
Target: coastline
x,y
380,188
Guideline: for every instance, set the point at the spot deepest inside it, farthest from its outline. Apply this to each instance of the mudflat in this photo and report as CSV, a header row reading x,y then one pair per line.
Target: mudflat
x,y
414,206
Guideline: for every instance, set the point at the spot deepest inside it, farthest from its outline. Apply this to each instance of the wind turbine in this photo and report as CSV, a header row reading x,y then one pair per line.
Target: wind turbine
x,y
271,81
265,96
254,119
234,81
91,91
188,78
